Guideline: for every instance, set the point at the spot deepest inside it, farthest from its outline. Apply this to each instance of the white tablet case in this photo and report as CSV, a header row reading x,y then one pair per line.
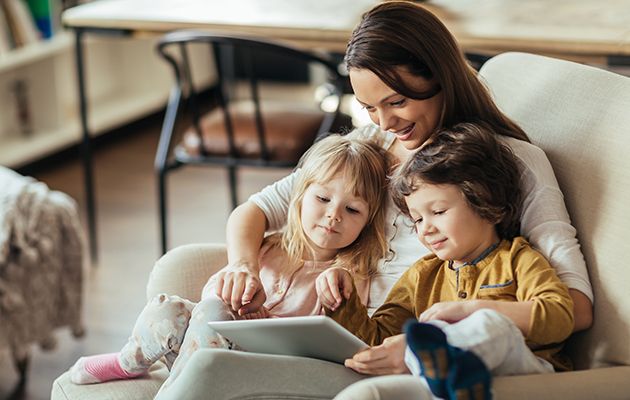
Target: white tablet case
x,y
315,337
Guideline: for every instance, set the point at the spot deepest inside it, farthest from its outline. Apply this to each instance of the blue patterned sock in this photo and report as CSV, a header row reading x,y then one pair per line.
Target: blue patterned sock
x,y
428,344
468,378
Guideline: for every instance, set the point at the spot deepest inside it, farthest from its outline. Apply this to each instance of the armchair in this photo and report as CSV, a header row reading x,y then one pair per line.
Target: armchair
x,y
579,116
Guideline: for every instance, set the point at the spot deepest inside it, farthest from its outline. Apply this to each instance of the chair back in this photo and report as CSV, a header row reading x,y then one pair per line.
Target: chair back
x,y
272,133
580,117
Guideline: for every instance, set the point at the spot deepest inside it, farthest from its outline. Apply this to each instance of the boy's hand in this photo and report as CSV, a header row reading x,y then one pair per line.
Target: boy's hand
x,y
385,359
331,285
241,289
449,311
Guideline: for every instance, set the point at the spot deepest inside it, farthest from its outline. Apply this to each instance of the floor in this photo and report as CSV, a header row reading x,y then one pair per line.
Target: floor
x,y
127,240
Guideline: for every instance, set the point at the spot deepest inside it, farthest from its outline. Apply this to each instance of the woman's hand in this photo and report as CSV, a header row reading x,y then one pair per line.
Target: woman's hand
x,y
241,289
385,359
331,285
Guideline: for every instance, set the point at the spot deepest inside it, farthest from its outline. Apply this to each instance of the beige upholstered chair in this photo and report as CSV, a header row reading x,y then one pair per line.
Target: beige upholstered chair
x,y
580,116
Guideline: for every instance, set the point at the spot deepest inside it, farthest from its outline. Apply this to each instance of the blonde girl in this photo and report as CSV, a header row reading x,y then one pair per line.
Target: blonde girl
x,y
335,219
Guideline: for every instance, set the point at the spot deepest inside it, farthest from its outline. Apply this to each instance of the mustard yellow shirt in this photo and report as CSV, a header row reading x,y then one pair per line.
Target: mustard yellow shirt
x,y
514,271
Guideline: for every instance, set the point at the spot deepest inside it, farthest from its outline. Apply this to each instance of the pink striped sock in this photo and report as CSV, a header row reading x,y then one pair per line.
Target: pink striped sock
x,y
98,368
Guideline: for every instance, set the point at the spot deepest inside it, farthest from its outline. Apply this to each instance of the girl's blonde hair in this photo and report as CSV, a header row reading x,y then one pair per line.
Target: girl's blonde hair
x,y
363,165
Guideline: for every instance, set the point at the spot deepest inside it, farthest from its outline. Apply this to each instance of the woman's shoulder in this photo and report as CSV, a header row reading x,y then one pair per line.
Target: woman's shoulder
x,y
521,148
532,156
534,163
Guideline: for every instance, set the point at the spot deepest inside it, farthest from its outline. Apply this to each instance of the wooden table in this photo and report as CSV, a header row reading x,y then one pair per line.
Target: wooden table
x,y
581,30
322,24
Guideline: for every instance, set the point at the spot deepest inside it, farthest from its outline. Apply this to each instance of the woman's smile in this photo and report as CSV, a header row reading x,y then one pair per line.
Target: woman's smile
x,y
405,133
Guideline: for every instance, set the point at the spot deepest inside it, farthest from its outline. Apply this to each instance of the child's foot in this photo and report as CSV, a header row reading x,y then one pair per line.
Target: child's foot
x,y
99,368
468,378
428,344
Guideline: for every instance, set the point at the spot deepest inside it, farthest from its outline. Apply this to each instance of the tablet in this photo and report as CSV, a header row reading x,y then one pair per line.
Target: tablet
x,y
314,336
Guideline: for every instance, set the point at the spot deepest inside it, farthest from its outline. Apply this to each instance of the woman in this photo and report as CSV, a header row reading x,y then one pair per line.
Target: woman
x,y
411,77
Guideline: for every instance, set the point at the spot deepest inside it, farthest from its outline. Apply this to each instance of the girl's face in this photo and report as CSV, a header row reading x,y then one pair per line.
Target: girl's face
x,y
332,217
447,225
412,121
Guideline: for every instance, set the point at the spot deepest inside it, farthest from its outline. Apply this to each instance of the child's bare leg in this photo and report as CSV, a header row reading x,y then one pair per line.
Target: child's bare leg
x,y
158,332
200,335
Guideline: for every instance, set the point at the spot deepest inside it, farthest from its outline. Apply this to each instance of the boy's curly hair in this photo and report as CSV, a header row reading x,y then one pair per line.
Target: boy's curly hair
x,y
470,157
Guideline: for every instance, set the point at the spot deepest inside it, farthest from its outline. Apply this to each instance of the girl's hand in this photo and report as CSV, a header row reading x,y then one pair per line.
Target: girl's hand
x,y
331,284
385,359
449,311
241,289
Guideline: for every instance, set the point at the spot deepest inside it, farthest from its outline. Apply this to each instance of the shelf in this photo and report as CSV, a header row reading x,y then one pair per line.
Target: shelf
x,y
107,114
34,52
125,81
20,150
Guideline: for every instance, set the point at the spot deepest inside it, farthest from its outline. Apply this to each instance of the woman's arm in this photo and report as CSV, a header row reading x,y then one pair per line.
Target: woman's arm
x,y
546,224
582,310
239,286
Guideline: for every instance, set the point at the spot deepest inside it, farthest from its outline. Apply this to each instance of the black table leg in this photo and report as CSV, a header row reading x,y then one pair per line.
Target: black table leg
x,y
86,148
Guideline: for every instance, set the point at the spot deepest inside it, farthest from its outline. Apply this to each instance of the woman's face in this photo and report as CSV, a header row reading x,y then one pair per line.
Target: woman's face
x,y
412,121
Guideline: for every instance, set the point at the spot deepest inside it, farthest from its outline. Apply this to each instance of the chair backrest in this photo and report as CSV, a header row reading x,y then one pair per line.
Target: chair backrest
x,y
239,59
580,117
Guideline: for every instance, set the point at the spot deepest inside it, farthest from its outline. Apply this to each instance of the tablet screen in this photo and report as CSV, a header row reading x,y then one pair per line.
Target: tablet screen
x,y
313,336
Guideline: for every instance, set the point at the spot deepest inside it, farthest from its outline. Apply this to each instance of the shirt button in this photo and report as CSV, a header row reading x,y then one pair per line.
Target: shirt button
x,y
462,295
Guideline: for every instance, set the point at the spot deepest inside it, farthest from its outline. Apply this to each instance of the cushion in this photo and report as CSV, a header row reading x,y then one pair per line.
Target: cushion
x,y
290,129
580,116
140,388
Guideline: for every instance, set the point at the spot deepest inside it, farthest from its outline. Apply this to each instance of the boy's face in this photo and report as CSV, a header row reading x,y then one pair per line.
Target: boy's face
x,y
447,225
332,217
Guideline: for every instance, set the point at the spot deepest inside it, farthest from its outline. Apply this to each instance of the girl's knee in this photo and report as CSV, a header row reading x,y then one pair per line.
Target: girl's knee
x,y
163,317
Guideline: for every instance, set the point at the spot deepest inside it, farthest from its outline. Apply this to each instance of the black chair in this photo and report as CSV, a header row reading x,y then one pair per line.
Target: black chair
x,y
236,132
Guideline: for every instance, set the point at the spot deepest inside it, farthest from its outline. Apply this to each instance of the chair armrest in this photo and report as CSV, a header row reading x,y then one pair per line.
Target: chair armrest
x,y
603,383
184,270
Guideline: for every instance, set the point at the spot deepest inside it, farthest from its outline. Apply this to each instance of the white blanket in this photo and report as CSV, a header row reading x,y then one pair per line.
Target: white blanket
x,y
41,263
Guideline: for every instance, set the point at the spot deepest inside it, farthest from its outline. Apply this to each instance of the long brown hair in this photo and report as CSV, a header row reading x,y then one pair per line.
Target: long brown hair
x,y
470,157
403,34
363,165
